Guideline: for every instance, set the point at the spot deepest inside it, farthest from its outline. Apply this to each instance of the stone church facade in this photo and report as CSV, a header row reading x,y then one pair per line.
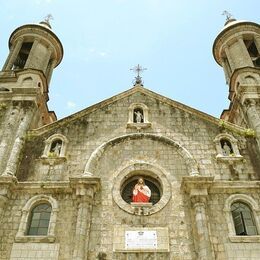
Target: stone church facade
x,y
66,185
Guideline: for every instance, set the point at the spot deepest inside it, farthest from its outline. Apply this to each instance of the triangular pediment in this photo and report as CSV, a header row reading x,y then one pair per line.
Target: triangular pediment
x,y
136,89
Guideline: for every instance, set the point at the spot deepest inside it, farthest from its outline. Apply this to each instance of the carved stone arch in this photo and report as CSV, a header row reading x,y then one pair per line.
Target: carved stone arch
x,y
190,162
241,197
40,198
21,234
50,140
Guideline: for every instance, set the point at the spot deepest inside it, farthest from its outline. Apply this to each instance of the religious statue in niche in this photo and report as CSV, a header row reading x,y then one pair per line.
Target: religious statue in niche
x,y
56,148
138,116
141,192
227,148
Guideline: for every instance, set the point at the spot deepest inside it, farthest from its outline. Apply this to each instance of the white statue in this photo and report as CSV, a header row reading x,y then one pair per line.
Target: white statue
x,y
138,117
56,149
226,149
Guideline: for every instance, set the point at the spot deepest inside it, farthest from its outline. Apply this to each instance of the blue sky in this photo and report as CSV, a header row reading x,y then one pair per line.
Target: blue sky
x,y
103,39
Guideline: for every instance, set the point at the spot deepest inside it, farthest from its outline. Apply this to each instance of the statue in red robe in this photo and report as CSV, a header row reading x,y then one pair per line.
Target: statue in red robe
x,y
141,192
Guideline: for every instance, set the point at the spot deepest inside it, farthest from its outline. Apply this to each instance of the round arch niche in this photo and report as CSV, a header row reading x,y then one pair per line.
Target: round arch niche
x,y
154,177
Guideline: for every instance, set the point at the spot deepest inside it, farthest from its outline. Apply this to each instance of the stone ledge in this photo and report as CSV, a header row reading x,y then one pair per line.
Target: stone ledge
x,y
35,239
138,125
228,159
245,239
52,160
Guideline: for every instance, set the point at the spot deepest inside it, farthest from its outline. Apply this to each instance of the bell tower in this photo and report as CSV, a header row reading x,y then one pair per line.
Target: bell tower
x,y
237,50
34,46
24,83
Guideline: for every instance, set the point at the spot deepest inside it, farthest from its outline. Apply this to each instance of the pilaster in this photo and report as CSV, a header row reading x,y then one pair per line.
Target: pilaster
x,y
85,189
197,188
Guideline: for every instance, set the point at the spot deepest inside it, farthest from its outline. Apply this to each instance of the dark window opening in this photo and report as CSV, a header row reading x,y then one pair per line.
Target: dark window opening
x,y
243,219
138,115
22,55
253,52
127,190
39,220
226,147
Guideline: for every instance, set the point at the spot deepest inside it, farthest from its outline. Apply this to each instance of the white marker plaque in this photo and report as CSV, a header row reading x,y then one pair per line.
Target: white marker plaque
x,y
144,239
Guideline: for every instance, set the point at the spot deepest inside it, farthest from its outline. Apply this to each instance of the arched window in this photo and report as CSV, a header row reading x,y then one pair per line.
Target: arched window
x,y
243,219
242,216
39,220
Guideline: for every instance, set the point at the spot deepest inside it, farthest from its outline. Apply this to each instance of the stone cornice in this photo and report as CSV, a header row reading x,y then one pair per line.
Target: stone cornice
x,y
207,185
70,186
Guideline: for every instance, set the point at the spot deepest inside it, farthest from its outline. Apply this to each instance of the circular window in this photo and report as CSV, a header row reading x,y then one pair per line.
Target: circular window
x,y
155,178
128,186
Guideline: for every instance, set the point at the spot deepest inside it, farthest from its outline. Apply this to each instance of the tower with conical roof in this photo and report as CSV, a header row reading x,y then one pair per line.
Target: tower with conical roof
x,y
237,50
24,83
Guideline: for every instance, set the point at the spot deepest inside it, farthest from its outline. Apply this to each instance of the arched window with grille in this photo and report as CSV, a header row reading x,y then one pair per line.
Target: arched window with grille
x,y
39,220
243,219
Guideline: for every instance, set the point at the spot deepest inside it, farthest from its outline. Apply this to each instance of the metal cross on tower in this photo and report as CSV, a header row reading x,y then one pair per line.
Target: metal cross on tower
x,y
47,18
228,15
138,69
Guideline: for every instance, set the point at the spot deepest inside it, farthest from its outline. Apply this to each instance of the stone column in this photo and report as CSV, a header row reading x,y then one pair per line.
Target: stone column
x,y
31,54
13,55
245,54
257,43
47,59
50,70
11,119
201,224
229,57
12,162
227,71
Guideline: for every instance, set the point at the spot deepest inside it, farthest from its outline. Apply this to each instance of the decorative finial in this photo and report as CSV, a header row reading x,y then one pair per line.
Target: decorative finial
x,y
138,69
47,18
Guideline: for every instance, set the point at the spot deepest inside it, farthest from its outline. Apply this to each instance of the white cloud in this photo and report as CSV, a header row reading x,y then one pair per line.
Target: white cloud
x,y
71,104
38,2
102,53
97,52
